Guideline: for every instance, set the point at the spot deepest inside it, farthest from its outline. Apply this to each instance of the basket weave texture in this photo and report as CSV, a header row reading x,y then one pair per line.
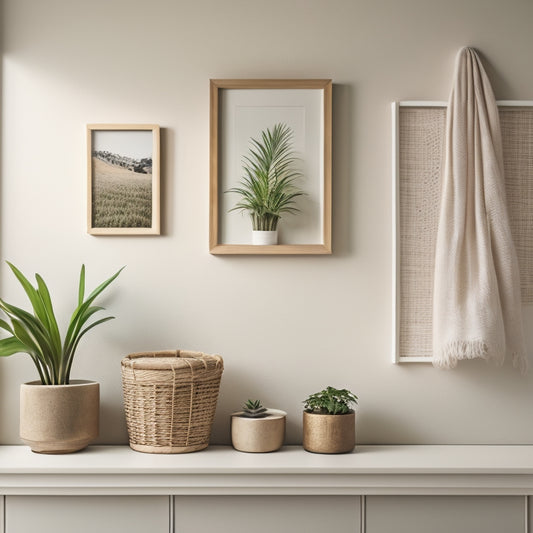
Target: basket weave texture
x,y
421,148
170,399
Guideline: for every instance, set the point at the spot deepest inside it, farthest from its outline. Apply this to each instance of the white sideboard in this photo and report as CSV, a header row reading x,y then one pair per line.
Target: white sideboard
x,y
376,489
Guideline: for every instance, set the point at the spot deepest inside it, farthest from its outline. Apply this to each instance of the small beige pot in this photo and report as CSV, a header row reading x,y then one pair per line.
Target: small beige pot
x,y
258,435
329,433
59,418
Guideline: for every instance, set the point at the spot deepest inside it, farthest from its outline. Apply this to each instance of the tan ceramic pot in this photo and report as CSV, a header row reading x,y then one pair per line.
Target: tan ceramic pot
x,y
258,435
329,433
59,418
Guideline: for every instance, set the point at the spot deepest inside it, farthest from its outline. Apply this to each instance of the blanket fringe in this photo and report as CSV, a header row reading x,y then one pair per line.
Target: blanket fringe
x,y
454,351
520,362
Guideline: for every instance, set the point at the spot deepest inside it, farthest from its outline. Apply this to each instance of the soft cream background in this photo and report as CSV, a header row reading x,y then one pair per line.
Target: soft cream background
x,y
286,326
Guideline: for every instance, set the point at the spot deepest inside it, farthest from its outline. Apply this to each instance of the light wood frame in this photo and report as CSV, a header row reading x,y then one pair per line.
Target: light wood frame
x,y
154,229
217,86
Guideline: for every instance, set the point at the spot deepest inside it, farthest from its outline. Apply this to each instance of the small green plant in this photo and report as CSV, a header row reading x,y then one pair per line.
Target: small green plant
x,y
331,401
253,409
38,334
268,189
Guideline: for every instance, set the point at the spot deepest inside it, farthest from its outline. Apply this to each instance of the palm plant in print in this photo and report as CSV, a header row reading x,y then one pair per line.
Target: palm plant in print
x,y
268,187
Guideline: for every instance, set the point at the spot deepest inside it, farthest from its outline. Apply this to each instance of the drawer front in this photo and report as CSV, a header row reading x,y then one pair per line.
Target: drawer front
x,y
87,514
445,514
267,514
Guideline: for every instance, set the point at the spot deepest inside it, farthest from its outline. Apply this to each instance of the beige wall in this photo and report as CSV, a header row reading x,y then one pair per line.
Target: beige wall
x,y
286,326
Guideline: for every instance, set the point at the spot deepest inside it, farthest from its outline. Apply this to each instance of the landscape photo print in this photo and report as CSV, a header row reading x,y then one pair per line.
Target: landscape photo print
x,y
123,179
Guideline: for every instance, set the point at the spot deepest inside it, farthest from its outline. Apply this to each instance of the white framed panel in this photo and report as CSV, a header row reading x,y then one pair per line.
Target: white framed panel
x,y
411,277
418,129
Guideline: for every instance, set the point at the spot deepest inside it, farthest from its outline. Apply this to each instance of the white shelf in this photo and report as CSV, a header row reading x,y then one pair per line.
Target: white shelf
x,y
370,470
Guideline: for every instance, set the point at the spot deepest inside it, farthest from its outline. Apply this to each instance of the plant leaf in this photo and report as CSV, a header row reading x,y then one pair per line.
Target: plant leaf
x,y
11,345
74,347
81,288
103,285
31,292
6,326
78,319
52,326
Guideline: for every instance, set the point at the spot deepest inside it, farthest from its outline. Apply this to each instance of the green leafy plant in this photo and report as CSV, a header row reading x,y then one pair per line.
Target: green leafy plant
x,y
268,188
331,401
253,409
38,334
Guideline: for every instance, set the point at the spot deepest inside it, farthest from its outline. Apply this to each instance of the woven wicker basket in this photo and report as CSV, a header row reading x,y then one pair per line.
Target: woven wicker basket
x,y
170,399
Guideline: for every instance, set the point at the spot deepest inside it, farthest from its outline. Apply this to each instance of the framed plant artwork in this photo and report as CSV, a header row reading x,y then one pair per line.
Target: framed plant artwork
x,y
123,183
270,166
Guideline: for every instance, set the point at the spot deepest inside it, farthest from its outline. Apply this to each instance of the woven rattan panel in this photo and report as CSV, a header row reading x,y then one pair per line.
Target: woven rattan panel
x,y
421,134
517,134
421,147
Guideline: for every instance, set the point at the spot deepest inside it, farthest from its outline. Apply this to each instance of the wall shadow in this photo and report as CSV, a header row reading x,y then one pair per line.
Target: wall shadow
x,y
167,169
342,169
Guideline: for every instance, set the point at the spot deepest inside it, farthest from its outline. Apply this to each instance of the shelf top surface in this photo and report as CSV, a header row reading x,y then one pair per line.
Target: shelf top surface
x,y
225,460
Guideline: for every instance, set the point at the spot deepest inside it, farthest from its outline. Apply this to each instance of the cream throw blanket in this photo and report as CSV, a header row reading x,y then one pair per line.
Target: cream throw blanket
x,y
476,300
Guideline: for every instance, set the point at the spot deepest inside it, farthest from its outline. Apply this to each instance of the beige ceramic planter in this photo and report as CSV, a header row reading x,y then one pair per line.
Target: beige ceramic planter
x,y
59,418
258,435
329,433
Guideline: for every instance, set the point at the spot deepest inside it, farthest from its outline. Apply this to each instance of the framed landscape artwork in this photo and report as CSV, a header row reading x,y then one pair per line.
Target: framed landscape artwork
x,y
247,172
123,179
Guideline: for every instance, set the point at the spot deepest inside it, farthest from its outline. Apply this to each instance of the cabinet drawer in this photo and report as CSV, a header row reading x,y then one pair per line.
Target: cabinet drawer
x,y
267,514
87,514
444,514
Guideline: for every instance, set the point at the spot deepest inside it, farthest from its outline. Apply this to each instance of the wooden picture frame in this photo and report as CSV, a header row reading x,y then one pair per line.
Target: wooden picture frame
x,y
240,109
123,179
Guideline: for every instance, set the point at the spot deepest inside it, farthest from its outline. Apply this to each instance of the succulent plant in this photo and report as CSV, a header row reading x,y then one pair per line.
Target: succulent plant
x,y
254,409
331,401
